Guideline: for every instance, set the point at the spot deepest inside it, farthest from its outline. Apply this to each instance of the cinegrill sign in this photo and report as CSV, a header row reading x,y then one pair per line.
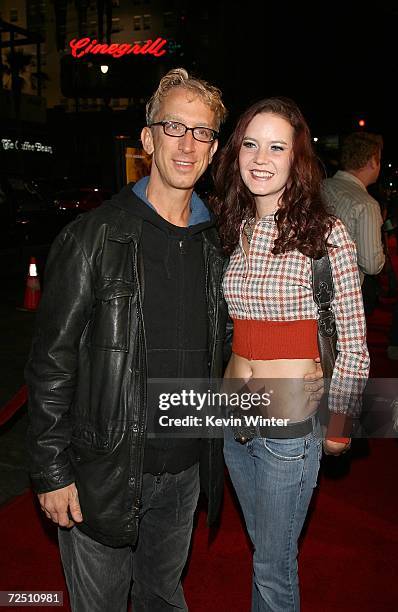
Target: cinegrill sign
x,y
84,46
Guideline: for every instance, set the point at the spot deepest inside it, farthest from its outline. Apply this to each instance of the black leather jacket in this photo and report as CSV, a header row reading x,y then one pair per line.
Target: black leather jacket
x,y
87,370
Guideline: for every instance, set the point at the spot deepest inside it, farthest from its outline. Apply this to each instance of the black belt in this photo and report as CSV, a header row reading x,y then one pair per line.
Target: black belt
x,y
291,430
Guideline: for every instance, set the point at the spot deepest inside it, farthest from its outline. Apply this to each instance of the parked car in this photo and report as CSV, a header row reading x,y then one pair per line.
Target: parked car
x,y
35,211
81,199
26,215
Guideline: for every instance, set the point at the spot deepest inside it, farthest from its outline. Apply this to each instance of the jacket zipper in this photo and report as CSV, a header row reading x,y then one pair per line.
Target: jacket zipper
x,y
213,352
138,456
213,348
181,310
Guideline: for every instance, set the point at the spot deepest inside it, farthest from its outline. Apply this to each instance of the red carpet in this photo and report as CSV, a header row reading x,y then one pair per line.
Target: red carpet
x,y
348,557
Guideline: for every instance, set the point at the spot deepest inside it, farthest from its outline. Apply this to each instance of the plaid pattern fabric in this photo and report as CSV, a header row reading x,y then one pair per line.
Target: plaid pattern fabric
x,y
271,287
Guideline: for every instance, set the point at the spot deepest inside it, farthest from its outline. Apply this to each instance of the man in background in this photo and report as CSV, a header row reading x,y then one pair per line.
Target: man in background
x,y
347,197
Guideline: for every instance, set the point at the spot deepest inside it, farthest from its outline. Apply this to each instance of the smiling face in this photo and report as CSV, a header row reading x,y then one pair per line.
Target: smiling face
x,y
178,163
265,159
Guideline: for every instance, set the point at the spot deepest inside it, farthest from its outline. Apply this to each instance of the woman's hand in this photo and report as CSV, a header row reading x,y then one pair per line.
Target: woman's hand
x,y
335,448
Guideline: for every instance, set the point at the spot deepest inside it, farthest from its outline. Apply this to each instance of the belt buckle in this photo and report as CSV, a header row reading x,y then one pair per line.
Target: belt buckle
x,y
243,436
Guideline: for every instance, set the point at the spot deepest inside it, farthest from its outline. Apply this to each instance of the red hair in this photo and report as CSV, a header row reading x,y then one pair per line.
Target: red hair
x,y
302,220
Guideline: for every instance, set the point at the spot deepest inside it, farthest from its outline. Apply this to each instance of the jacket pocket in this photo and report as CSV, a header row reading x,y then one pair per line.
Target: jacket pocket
x,y
111,320
88,445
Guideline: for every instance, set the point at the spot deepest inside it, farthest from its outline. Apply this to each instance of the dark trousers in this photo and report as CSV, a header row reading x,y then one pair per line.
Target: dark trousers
x,y
99,577
393,335
370,292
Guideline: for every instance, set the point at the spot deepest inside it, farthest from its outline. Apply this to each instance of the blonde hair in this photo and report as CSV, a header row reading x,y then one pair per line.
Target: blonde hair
x,y
179,77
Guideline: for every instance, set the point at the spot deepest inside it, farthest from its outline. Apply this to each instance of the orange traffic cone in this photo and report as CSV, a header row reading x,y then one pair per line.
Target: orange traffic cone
x,y
32,290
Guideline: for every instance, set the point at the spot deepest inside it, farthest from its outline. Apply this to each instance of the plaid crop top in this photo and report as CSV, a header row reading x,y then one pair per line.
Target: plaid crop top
x,y
263,286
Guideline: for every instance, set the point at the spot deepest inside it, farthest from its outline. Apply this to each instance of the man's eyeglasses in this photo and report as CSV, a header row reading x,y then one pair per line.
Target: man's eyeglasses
x,y
177,130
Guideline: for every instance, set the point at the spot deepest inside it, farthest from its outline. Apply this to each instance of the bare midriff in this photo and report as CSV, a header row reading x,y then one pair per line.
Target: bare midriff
x,y
290,399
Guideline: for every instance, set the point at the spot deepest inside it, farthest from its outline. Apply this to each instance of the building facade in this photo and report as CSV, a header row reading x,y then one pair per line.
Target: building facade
x,y
186,28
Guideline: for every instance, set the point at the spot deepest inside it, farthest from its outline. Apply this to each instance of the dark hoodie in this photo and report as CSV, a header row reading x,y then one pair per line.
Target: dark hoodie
x,y
175,316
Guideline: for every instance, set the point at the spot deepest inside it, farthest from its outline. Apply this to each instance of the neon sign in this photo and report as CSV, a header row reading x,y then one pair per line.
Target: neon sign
x,y
83,46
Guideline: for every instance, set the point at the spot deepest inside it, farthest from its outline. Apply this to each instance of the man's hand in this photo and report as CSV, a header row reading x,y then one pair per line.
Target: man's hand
x,y
314,382
56,504
316,374
335,448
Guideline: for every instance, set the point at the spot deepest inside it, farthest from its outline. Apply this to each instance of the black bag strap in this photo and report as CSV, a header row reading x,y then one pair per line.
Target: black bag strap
x,y
323,294
322,283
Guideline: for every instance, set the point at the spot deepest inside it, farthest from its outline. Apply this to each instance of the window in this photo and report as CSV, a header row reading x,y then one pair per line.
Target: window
x,y
168,19
147,22
137,22
116,25
13,15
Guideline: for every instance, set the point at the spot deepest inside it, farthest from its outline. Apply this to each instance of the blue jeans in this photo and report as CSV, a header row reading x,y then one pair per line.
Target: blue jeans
x,y
274,480
99,577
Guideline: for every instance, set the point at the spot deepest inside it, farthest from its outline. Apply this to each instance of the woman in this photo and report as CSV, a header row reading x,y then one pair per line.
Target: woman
x,y
272,222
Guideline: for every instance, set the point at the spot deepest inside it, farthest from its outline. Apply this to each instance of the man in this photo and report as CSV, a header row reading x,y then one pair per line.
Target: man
x,y
132,291
347,196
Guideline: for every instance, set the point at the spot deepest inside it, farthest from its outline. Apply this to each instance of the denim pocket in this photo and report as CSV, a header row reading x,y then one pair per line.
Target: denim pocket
x,y
292,449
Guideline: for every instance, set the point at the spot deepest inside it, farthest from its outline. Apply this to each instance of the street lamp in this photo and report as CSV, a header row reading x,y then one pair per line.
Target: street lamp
x,y
104,68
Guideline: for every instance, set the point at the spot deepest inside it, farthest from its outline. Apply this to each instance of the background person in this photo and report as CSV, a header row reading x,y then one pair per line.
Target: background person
x,y
272,222
347,197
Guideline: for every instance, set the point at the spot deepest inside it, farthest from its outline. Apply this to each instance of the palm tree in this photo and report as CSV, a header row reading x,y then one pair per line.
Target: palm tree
x,y
16,64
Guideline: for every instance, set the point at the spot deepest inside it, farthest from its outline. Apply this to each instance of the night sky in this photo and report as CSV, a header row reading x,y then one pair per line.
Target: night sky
x,y
337,60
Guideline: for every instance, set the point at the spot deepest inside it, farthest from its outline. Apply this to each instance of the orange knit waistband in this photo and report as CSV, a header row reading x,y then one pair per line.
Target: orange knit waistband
x,y
254,339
